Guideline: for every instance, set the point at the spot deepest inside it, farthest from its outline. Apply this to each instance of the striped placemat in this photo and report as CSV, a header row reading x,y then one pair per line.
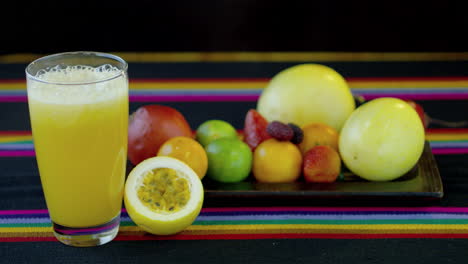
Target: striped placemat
x,y
273,222
249,89
442,141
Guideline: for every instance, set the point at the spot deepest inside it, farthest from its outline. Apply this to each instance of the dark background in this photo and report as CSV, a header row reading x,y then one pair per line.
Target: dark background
x,y
233,25
238,25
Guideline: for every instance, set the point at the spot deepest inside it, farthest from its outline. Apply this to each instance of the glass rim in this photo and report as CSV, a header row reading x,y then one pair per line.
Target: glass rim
x,y
94,53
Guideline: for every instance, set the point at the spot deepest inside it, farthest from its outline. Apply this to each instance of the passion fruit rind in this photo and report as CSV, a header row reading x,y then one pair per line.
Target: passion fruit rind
x,y
163,222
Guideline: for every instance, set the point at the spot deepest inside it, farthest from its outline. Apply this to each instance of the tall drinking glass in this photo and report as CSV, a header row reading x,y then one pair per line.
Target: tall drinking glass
x,y
78,104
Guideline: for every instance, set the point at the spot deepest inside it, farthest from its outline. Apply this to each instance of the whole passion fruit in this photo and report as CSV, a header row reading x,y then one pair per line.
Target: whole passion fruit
x,y
382,140
307,93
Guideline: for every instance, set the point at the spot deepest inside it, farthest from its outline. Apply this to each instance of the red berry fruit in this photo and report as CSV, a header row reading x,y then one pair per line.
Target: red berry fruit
x,y
298,134
255,129
280,131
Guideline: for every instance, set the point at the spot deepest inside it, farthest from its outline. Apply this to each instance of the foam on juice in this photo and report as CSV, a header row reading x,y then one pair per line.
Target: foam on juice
x,y
77,84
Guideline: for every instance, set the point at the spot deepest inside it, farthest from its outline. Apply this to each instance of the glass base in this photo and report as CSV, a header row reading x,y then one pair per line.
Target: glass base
x,y
87,236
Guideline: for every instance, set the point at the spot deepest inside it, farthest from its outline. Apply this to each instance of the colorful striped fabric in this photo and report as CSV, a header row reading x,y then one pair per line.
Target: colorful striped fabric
x,y
442,141
196,90
246,86
448,141
273,222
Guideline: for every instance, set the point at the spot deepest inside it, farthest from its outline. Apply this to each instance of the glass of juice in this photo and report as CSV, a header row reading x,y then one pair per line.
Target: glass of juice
x,y
78,105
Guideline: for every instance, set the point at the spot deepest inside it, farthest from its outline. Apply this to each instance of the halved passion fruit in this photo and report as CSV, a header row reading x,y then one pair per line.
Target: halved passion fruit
x,y
163,195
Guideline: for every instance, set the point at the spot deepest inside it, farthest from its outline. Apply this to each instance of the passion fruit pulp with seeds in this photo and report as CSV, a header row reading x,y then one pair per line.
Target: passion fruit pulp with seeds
x,y
163,191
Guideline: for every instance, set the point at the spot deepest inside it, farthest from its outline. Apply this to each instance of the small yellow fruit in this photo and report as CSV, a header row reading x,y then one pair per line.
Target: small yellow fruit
x,y
187,150
318,134
277,161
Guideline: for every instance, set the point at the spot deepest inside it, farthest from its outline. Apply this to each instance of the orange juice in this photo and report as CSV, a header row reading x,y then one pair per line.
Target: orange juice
x,y
80,138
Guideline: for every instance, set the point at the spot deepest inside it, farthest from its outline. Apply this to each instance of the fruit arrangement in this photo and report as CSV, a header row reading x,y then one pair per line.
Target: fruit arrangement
x,y
306,128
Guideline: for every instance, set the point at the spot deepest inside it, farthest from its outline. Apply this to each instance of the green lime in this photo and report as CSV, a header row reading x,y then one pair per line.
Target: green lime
x,y
229,160
214,129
